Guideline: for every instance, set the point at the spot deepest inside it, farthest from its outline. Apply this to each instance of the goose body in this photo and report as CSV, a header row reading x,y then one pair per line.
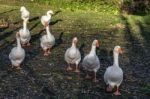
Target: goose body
x,y
25,14
91,61
17,54
45,19
113,75
73,56
24,33
47,41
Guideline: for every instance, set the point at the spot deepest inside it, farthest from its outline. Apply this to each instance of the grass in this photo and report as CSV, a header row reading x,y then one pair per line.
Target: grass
x,y
41,75
97,6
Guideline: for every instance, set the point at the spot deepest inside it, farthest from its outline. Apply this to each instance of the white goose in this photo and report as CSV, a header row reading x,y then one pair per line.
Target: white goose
x,y
91,61
47,42
25,14
17,54
114,74
45,19
24,33
73,56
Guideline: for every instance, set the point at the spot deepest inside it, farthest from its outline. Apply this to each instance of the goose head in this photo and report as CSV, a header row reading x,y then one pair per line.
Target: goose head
x,y
118,50
95,43
75,40
50,12
22,9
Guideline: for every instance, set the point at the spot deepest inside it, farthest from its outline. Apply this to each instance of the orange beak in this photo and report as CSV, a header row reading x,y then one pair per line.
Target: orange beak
x,y
120,50
97,43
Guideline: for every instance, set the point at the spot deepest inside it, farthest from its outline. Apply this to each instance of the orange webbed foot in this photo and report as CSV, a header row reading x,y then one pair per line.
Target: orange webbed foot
x,y
117,93
109,88
69,68
77,71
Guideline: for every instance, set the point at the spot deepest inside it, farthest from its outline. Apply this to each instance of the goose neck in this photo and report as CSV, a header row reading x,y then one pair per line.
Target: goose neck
x,y
73,45
48,31
116,57
93,50
24,25
18,43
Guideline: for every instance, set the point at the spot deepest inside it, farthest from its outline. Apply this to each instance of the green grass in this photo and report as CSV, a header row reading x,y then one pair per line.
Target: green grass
x,y
70,16
145,89
97,6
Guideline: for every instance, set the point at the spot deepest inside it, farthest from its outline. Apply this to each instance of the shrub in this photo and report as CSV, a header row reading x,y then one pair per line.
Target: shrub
x,y
136,6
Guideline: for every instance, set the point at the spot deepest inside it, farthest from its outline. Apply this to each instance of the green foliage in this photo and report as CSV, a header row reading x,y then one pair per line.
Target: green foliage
x,y
136,6
88,5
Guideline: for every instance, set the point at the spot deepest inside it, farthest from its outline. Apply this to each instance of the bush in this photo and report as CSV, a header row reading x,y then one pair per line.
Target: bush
x,y
136,6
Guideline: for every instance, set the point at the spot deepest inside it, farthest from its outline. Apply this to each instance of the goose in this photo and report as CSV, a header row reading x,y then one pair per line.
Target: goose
x,y
45,19
47,42
91,61
25,14
24,33
17,54
73,56
113,75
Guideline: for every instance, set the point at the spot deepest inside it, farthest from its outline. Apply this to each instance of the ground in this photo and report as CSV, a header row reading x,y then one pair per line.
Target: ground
x,y
46,77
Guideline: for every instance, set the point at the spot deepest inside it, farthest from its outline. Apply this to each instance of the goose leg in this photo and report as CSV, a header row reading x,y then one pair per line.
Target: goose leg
x,y
77,68
95,79
69,68
49,51
46,24
117,93
18,67
46,53
109,88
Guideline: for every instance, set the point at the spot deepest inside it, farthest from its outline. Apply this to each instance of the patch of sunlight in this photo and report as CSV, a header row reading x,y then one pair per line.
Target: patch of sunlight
x,y
134,26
